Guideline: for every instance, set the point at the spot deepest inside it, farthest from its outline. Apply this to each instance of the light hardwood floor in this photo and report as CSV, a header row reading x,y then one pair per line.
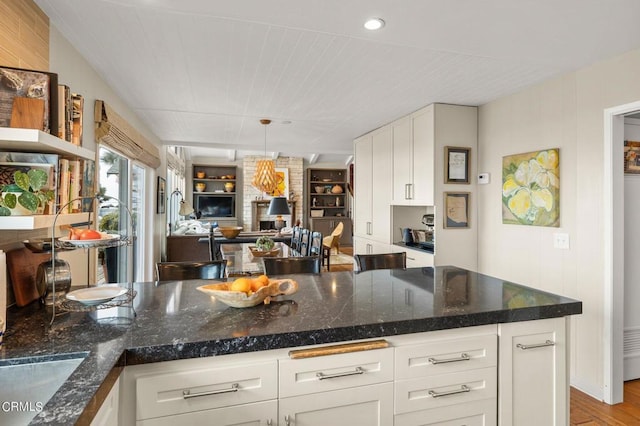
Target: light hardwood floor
x,y
587,411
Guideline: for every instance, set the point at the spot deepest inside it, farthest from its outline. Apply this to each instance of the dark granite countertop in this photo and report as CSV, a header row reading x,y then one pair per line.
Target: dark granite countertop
x,y
175,321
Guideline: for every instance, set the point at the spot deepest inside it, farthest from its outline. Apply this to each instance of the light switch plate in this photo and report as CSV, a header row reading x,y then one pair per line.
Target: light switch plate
x,y
483,178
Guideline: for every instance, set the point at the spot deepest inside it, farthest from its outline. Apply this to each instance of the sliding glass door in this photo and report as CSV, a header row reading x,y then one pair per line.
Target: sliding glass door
x,y
122,185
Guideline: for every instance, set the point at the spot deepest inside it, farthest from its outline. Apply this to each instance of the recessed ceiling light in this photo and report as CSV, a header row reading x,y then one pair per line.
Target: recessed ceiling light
x,y
374,24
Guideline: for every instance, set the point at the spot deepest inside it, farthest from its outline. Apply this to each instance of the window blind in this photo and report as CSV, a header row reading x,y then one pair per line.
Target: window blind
x,y
115,132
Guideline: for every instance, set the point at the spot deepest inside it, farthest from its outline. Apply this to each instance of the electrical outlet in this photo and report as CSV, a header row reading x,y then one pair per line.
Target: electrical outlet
x,y
561,240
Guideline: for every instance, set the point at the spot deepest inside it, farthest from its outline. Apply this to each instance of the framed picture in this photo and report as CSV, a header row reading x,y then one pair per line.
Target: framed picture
x,y
632,157
456,164
282,188
456,208
29,99
531,188
161,195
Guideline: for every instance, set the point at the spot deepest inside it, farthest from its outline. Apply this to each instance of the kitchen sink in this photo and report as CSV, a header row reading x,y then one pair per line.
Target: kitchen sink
x,y
27,384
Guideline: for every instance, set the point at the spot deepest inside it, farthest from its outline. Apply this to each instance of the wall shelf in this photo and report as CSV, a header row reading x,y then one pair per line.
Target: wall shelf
x,y
40,221
32,140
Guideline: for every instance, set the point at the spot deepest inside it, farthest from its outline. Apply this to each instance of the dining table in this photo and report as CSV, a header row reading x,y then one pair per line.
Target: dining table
x,y
241,261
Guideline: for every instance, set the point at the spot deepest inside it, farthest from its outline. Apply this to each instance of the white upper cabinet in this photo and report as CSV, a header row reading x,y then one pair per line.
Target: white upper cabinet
x,y
413,159
372,186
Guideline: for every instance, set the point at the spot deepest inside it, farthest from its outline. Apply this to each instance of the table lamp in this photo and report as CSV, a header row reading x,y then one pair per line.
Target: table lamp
x,y
279,206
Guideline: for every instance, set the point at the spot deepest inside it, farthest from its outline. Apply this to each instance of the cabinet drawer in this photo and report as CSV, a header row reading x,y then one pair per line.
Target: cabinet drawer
x,y
205,388
446,389
364,406
446,356
331,372
257,413
476,413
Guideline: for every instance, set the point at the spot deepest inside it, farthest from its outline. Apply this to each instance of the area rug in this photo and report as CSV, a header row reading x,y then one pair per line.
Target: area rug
x,y
341,259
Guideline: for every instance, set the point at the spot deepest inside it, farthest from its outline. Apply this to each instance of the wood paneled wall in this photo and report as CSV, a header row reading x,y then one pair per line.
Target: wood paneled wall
x,y
24,35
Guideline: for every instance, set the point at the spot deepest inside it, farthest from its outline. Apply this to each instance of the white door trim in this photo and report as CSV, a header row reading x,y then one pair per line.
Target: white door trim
x,y
613,228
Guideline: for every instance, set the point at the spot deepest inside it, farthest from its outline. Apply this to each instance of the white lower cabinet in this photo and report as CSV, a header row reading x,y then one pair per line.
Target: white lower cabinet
x,y
256,414
475,413
507,374
360,406
533,372
108,413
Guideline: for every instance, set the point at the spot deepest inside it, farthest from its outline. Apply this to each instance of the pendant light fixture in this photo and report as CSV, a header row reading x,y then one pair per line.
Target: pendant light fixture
x,y
265,179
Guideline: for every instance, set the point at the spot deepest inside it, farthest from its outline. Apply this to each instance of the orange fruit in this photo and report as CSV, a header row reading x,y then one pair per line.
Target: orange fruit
x,y
241,284
256,284
263,279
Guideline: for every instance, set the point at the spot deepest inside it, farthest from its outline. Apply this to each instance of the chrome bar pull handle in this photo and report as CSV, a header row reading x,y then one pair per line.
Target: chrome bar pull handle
x,y
406,191
463,389
186,394
322,376
462,357
536,345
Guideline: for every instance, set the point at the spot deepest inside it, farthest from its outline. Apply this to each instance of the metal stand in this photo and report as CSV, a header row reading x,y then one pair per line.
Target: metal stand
x,y
65,305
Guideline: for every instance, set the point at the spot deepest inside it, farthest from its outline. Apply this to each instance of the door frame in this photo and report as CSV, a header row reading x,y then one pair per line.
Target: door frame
x,y
613,229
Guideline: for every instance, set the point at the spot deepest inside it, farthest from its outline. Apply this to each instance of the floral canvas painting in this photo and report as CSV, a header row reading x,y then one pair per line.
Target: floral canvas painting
x,y
531,188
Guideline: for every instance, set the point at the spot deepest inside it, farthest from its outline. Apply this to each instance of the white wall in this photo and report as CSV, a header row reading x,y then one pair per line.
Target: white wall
x,y
567,113
74,71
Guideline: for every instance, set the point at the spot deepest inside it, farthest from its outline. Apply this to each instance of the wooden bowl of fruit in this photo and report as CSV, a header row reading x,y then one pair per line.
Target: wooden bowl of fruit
x,y
246,292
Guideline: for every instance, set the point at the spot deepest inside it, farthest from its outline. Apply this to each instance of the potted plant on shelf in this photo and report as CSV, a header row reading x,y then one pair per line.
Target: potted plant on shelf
x,y
27,196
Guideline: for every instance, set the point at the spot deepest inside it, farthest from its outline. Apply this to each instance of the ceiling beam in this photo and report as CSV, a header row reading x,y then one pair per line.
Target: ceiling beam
x,y
231,154
314,158
275,155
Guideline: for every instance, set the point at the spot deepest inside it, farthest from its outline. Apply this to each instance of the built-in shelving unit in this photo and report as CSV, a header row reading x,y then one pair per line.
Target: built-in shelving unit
x,y
32,140
214,191
327,203
326,193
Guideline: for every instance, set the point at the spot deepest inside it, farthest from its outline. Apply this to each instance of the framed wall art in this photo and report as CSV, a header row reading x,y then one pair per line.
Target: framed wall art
x,y
632,157
456,209
282,187
29,99
161,195
456,164
531,188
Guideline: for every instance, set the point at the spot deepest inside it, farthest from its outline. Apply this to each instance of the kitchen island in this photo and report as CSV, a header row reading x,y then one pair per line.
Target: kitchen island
x,y
176,322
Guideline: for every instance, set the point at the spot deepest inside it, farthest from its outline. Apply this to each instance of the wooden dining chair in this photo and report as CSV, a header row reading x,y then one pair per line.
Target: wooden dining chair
x,y
169,271
292,265
305,242
367,262
330,241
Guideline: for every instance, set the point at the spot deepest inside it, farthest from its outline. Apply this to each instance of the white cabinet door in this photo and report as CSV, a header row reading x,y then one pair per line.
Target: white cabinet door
x,y
257,414
423,157
360,406
362,187
381,161
533,379
107,415
402,161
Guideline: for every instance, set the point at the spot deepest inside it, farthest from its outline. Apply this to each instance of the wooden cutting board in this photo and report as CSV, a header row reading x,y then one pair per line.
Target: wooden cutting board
x,y
23,265
27,113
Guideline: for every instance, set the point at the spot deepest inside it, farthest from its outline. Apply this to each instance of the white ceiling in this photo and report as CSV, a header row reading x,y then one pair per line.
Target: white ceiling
x,y
201,73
